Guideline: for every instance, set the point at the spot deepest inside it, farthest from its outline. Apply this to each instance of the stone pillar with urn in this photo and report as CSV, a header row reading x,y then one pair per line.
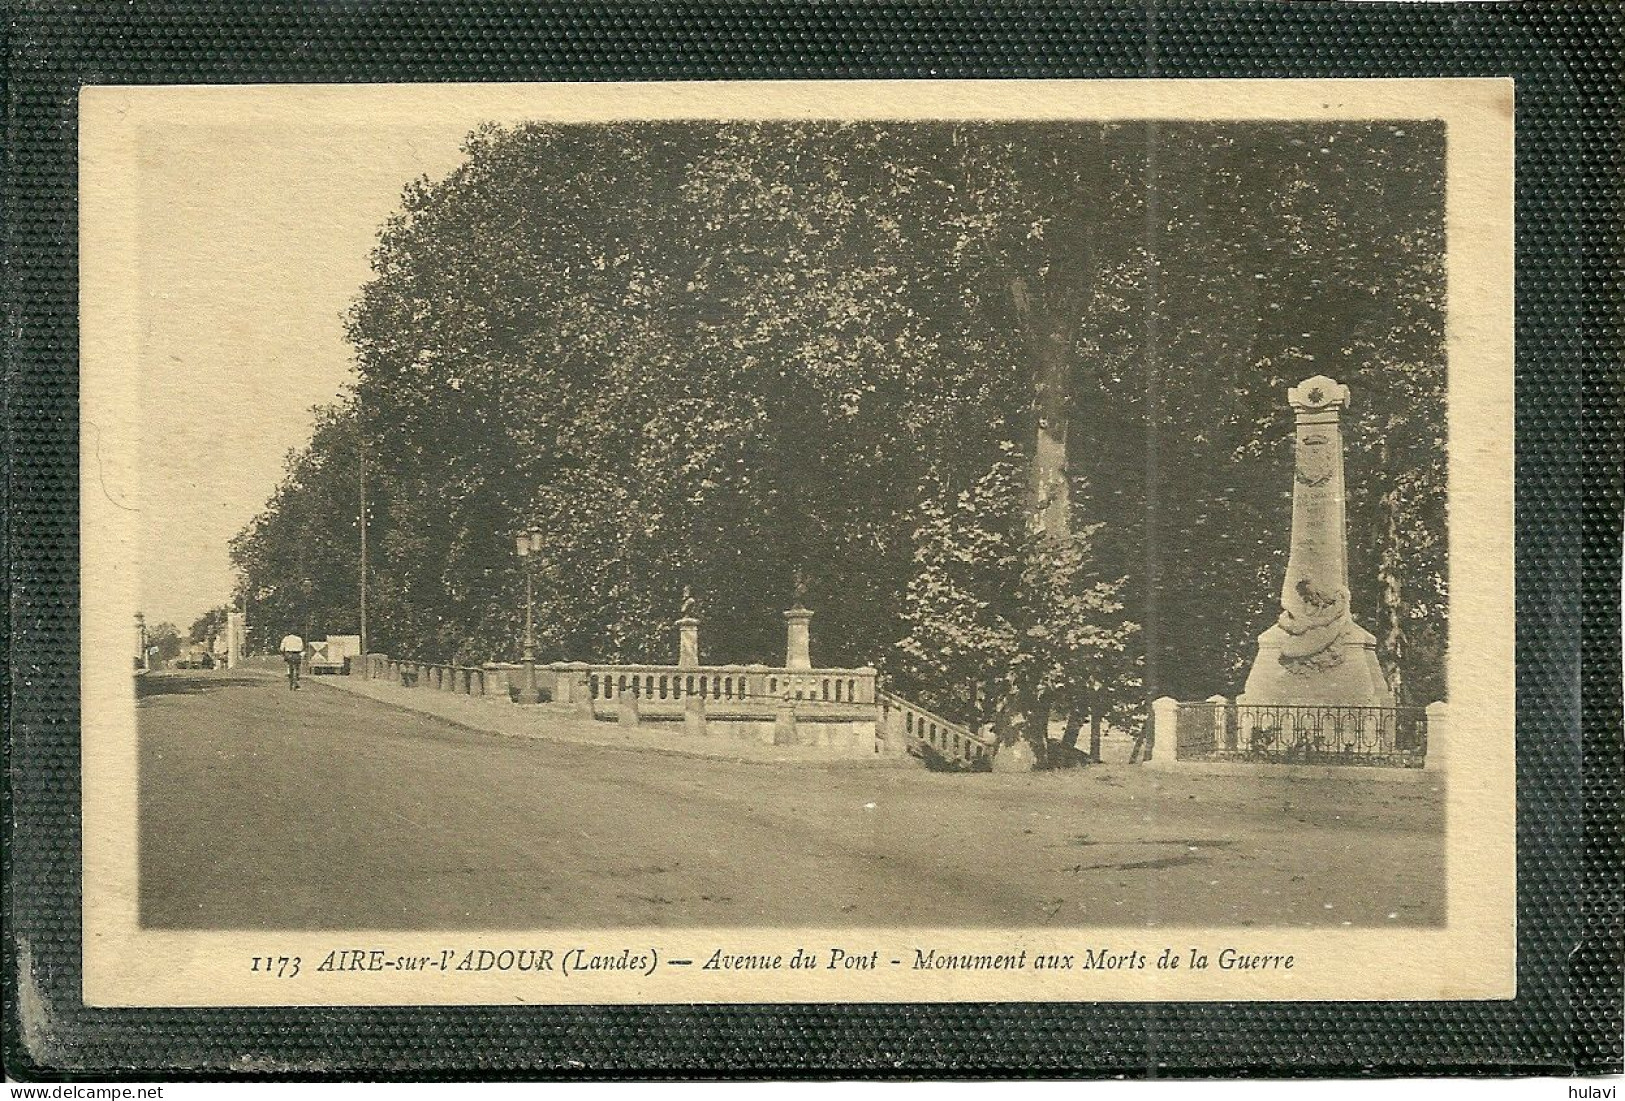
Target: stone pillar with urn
x,y
797,638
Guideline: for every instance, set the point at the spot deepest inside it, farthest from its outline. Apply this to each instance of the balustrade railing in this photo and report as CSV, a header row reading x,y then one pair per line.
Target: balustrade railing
x,y
725,688
466,680
835,707
927,734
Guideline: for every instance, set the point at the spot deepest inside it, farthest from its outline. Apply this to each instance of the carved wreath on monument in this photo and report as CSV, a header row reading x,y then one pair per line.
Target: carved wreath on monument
x,y
1313,632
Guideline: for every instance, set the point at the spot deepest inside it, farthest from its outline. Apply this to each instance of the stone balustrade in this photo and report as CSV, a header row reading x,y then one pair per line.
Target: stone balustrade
x,y
910,728
465,680
660,689
724,689
834,709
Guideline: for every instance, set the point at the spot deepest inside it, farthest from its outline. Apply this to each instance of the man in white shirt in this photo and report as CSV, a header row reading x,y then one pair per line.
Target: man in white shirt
x,y
293,652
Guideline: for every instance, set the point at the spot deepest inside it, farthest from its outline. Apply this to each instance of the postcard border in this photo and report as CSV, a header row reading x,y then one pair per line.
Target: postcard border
x,y
1567,598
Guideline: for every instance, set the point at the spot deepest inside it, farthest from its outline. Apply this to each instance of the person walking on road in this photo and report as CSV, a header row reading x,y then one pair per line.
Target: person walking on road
x,y
293,652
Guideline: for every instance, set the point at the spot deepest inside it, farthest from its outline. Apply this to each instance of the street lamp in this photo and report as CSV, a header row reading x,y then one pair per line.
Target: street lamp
x,y
528,544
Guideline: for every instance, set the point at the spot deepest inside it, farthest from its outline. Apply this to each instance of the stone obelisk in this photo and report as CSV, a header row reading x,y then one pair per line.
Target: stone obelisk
x,y
1315,653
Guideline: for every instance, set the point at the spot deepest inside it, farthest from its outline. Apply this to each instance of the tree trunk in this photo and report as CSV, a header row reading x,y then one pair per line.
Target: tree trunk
x,y
1074,725
1024,717
1049,337
1094,734
1038,733
1393,604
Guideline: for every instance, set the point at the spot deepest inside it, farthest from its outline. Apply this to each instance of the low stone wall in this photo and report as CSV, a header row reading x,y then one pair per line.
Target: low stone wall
x,y
840,739
434,676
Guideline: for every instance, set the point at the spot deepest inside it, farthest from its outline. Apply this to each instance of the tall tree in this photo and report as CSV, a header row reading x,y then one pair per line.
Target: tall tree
x,y
165,640
298,560
209,626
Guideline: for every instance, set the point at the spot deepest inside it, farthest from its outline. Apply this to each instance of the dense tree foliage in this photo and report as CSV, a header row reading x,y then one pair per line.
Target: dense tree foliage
x,y
164,641
1004,616
209,626
1009,397
298,562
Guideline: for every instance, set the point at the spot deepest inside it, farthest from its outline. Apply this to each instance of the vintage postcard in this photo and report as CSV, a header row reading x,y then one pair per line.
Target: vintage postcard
x,y
797,542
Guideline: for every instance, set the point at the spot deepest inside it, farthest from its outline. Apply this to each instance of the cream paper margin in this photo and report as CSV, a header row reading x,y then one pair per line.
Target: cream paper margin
x,y
1472,957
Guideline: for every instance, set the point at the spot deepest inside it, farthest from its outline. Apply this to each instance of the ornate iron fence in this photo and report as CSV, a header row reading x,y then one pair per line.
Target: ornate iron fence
x,y
1302,733
1199,729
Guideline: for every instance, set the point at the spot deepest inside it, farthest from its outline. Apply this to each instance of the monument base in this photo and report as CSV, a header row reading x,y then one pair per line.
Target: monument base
x,y
1344,674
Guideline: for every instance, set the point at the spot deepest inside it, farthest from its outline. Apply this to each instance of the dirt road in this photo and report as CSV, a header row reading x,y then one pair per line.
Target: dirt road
x,y
265,808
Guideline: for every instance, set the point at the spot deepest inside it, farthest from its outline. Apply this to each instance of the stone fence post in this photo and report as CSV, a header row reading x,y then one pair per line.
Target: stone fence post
x,y
572,684
688,643
784,719
1438,754
627,709
1221,726
756,682
694,723
1164,738
797,638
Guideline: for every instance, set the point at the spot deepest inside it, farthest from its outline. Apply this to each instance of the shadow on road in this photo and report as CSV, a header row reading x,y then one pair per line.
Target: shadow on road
x,y
189,684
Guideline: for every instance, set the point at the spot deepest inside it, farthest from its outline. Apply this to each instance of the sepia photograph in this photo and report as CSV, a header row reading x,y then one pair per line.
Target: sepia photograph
x,y
1063,534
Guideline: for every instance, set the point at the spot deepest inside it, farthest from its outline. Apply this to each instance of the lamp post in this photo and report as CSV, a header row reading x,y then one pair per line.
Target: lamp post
x,y
528,544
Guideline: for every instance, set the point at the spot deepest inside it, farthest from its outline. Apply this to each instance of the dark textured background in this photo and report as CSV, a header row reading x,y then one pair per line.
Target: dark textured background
x,y
1567,62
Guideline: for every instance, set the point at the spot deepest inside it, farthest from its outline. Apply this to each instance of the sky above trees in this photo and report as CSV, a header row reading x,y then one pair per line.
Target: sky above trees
x,y
254,238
